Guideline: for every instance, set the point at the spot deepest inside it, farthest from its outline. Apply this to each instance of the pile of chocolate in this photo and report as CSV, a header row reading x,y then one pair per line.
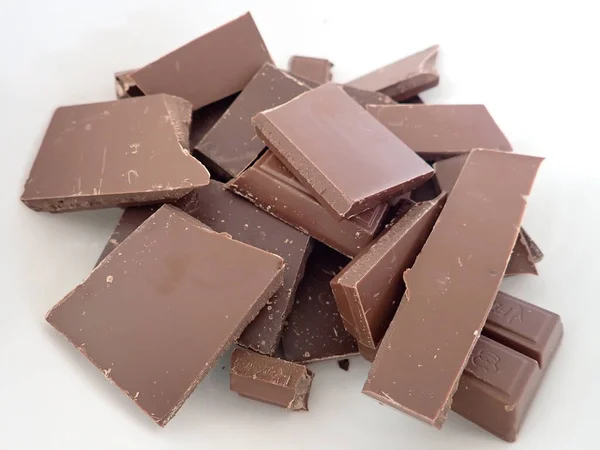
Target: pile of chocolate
x,y
302,220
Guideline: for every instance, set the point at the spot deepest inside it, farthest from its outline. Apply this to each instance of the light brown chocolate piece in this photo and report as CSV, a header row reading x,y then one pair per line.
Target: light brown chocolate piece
x,y
405,78
163,307
454,280
317,70
270,380
96,156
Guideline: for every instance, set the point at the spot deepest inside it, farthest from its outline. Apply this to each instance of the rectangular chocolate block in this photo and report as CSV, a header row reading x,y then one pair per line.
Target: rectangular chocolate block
x,y
454,280
522,260
232,145
209,68
162,308
271,187
442,131
226,212
368,290
270,380
321,137
315,331
95,156
317,70
405,78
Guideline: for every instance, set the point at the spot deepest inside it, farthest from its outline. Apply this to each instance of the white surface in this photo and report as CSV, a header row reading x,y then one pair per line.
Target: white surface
x,y
534,64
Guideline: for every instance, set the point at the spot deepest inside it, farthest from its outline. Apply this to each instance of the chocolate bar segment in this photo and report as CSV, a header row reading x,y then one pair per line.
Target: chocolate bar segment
x,y
368,290
454,280
271,187
270,380
442,131
95,156
364,98
232,145
315,331
162,308
205,118
317,70
226,212
124,86
405,78
211,67
522,260
342,179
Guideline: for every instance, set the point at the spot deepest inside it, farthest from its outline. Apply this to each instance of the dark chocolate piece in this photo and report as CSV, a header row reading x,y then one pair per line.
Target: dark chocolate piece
x,y
232,144
315,331
317,70
206,117
416,100
454,280
270,380
160,310
405,78
226,212
270,186
364,98
344,364
95,156
522,260
124,86
369,289
211,67
442,131
342,179
534,249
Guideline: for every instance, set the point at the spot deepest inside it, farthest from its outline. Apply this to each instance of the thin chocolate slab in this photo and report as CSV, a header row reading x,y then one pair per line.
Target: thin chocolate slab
x,y
454,280
522,260
368,290
442,131
96,156
321,136
317,70
124,86
209,68
271,187
405,78
205,118
232,144
270,380
315,331
425,192
226,212
534,249
364,98
161,309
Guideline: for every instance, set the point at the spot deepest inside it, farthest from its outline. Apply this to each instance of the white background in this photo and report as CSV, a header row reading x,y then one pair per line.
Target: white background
x,y
535,66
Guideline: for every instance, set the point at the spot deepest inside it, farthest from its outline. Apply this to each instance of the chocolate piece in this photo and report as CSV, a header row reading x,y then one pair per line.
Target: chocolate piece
x,y
522,260
232,144
367,352
364,98
328,118
128,223
416,100
405,78
95,156
425,192
205,118
442,131
125,86
209,68
536,252
317,70
315,331
454,280
369,289
160,310
270,380
344,364
226,212
270,186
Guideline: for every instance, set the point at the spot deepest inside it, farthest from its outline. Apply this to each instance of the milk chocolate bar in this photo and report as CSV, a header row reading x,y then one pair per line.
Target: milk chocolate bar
x,y
317,70
95,156
315,330
405,78
454,280
211,67
232,145
270,380
162,308
327,117
271,187
442,131
368,290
